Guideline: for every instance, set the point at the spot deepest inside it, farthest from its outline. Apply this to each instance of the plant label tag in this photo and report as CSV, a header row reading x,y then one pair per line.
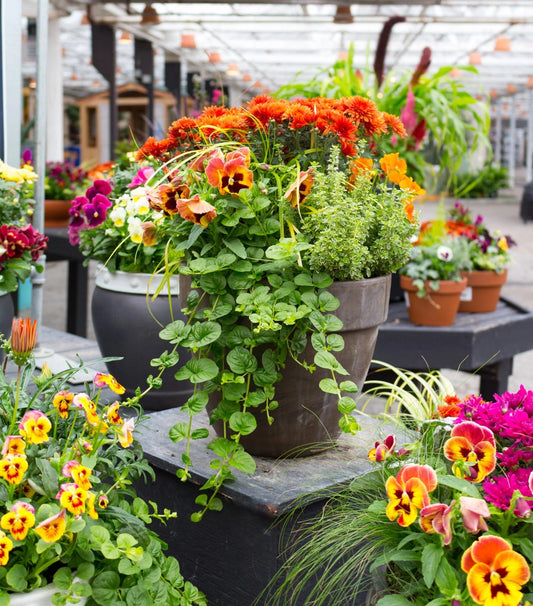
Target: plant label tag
x,y
466,295
406,297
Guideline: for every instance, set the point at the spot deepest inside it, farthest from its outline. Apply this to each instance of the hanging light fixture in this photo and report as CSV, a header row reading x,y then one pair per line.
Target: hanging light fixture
x,y
214,57
455,73
85,19
511,89
33,83
257,84
343,14
73,76
493,93
502,44
529,82
474,58
233,70
246,78
125,38
149,16
342,56
188,41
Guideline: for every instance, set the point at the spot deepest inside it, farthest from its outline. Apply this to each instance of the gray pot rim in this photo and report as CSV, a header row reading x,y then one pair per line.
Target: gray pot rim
x,y
134,282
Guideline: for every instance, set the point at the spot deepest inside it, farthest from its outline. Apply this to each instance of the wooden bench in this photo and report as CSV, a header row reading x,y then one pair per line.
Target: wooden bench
x,y
481,343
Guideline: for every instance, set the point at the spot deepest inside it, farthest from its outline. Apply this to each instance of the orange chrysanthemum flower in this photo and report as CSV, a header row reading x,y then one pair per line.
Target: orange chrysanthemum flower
x,y
450,407
473,450
495,573
395,124
408,492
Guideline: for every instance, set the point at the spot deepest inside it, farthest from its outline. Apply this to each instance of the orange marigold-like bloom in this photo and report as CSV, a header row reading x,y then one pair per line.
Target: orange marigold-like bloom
x,y
406,183
408,492
23,339
196,210
300,189
53,528
495,573
19,520
393,166
62,401
473,448
361,166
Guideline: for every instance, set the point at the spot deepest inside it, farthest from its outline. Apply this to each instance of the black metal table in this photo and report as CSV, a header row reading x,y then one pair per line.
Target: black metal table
x,y
481,343
60,249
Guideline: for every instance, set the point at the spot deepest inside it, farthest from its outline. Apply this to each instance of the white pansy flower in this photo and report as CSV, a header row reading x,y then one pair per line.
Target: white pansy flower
x,y
118,216
123,200
135,229
444,253
138,192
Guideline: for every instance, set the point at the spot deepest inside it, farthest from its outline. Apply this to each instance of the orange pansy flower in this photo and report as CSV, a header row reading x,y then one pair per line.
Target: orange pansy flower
x,y
473,449
196,210
408,492
19,520
53,528
300,189
6,545
495,573
232,174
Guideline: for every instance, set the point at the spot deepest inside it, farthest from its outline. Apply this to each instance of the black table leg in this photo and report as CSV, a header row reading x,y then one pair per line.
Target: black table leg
x,y
494,378
77,298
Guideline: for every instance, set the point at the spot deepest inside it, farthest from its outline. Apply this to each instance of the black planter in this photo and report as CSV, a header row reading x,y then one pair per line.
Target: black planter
x,y
127,324
7,313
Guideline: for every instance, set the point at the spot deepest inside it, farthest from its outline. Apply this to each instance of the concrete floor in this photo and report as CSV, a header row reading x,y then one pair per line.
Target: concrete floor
x,y
501,213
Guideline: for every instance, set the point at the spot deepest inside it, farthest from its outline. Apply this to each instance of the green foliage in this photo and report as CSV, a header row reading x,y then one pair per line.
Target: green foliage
x,y
356,233
455,122
484,183
76,462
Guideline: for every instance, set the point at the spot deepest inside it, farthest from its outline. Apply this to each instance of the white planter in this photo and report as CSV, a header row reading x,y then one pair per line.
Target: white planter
x,y
39,597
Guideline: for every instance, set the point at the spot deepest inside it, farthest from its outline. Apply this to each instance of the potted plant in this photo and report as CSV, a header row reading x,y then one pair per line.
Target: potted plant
x,y
443,519
113,223
432,276
70,520
489,255
63,182
288,223
20,244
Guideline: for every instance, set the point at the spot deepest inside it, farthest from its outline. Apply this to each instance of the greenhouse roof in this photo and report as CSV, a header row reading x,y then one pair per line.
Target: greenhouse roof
x,y
277,42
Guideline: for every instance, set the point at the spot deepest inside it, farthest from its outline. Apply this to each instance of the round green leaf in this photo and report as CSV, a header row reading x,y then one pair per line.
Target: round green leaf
x,y
243,422
241,361
329,386
197,370
202,334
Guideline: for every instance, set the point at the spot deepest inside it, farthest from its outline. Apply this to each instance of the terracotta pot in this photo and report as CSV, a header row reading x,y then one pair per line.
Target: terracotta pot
x,y
438,307
56,213
125,326
307,419
482,292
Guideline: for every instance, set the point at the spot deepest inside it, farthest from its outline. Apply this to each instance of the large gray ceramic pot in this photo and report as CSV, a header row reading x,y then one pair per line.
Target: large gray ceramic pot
x,y
7,313
307,419
126,325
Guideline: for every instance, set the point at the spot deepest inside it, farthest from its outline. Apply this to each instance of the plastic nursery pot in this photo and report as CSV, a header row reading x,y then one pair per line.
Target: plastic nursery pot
x,y
40,597
438,307
56,213
482,292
